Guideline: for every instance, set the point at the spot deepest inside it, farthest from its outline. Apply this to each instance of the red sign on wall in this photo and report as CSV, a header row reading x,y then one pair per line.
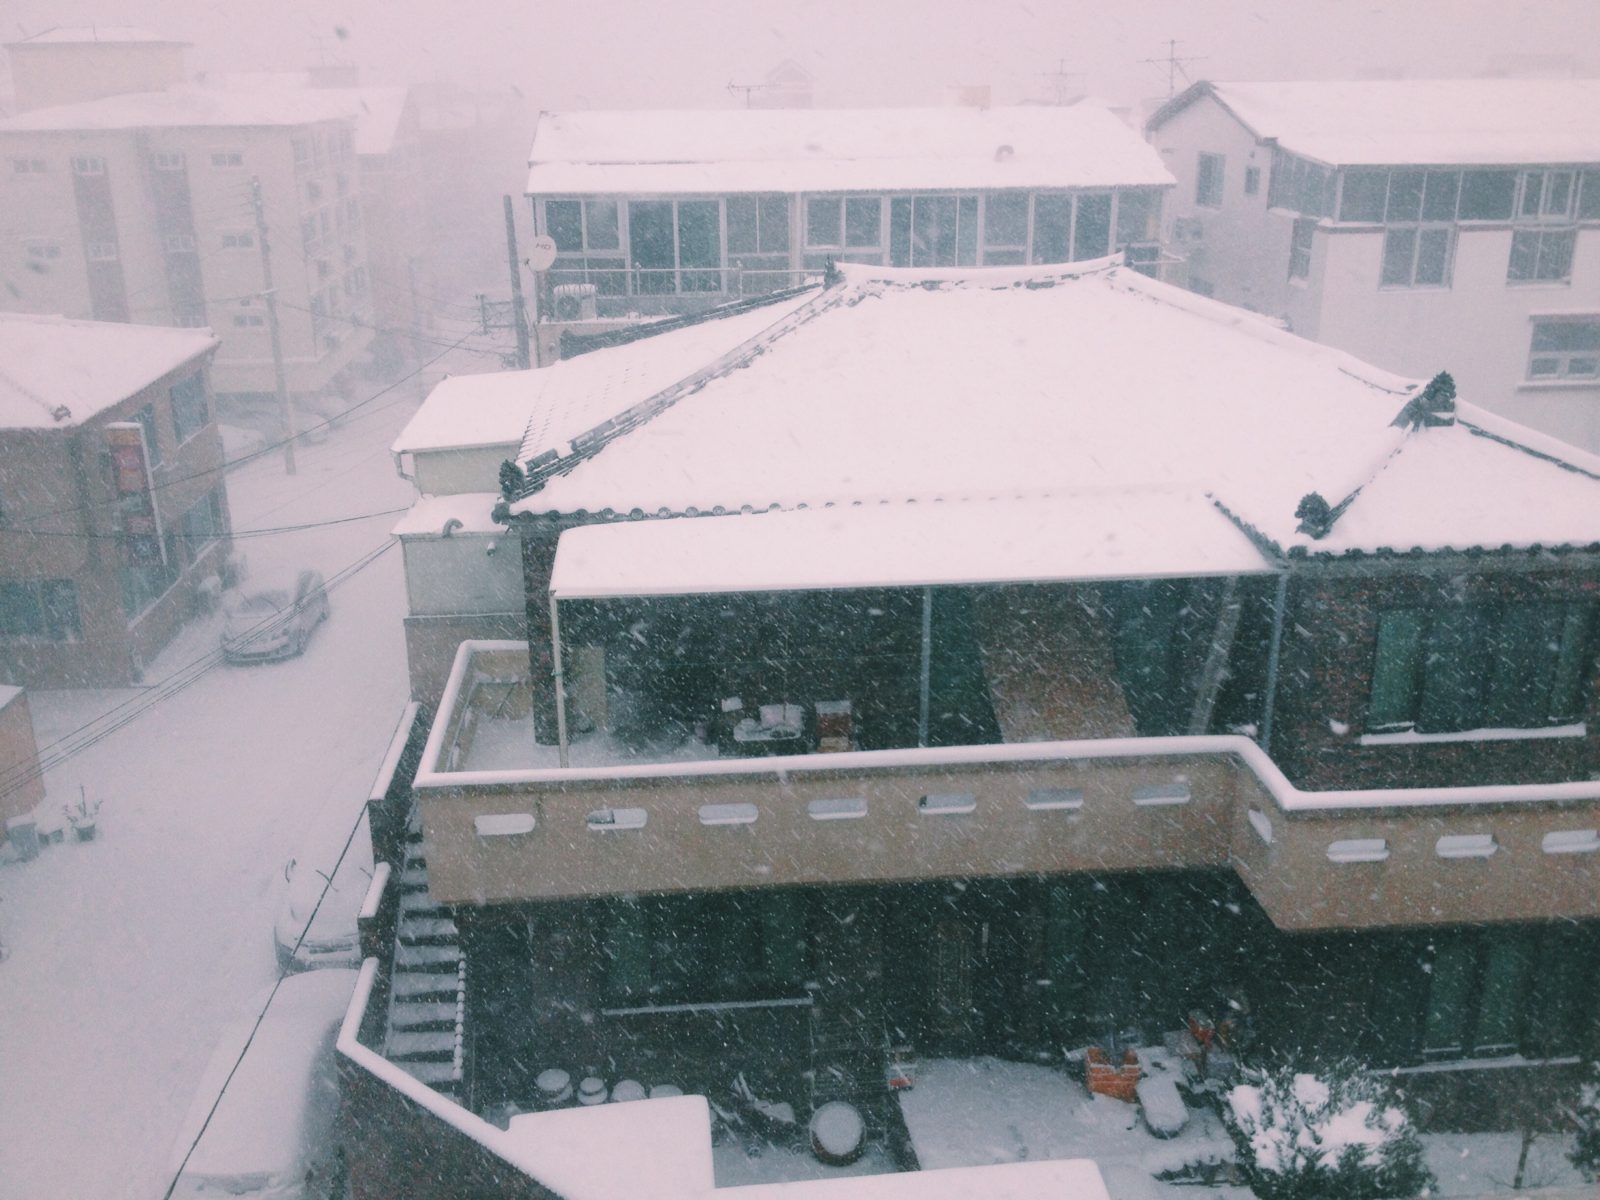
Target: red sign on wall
x,y
139,518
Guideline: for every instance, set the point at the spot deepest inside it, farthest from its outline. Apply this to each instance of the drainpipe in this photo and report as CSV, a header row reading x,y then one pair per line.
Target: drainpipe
x,y
556,673
1269,702
927,667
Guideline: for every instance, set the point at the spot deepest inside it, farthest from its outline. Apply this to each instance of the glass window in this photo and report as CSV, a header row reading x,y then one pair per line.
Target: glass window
x,y
189,415
700,245
1396,669
1052,228
863,222
1487,195
563,220
1301,240
1565,349
1208,180
1091,234
146,417
1405,196
1502,993
1446,1021
1399,257
774,233
1365,196
824,225
600,225
1005,219
1418,256
1541,255
758,224
1589,196
1252,180
43,609
1441,194
1137,212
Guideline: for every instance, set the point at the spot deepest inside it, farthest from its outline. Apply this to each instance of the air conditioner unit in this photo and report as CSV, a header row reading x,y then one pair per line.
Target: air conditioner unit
x,y
574,301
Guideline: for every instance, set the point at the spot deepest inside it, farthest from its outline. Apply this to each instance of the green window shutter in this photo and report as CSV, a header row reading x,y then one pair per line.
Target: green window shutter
x,y
1573,661
1502,995
1444,1027
1523,650
1396,669
1455,668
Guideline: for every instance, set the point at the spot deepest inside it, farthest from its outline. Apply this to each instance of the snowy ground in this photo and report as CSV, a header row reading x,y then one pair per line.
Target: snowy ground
x,y
130,954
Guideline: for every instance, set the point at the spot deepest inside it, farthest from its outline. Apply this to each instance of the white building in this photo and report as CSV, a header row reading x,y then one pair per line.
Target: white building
x,y
1422,225
671,211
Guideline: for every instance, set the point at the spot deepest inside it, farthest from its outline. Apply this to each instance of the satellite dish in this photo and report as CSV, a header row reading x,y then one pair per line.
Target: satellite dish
x,y
542,253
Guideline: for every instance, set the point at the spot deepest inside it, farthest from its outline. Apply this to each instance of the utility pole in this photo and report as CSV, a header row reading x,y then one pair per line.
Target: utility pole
x,y
518,313
270,294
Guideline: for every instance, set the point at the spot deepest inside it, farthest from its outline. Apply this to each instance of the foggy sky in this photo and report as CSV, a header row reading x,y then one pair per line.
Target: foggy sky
x,y
684,53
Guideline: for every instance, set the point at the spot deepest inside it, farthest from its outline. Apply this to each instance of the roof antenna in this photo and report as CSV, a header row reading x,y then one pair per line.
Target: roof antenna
x,y
1174,62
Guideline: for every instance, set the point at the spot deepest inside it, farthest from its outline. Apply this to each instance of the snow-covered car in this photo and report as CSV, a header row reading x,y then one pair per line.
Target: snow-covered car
x,y
272,1133
268,622
331,940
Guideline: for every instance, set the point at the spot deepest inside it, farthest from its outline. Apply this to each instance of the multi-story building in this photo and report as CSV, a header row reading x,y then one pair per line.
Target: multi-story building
x,y
671,211
113,510
141,206
973,663
1410,222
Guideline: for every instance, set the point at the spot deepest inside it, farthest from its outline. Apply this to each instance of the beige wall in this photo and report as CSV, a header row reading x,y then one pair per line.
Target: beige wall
x,y
18,751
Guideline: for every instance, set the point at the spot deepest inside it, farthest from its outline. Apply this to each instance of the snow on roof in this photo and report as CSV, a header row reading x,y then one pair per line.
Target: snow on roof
x,y
284,1089
429,515
49,363
377,110
8,694
1119,533
1059,1179
983,384
66,35
831,150
539,409
188,107
1394,122
644,1149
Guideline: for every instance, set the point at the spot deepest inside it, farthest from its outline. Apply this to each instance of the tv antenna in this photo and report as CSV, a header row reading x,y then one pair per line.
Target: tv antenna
x,y
747,89
1062,80
1174,62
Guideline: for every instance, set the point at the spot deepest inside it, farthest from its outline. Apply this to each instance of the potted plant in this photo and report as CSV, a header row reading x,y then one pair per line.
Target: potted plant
x,y
81,816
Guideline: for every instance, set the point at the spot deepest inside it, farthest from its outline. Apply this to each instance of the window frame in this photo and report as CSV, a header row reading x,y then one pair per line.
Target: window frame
x,y
1563,373
43,598
1300,255
1212,184
186,396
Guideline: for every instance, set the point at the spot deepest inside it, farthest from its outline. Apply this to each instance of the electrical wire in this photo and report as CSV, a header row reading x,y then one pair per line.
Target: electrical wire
x,y
234,535
65,748
283,973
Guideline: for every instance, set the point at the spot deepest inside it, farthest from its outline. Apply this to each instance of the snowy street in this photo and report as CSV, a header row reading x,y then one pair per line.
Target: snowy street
x,y
130,953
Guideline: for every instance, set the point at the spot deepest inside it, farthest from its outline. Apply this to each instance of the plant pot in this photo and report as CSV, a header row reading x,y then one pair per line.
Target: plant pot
x,y
84,833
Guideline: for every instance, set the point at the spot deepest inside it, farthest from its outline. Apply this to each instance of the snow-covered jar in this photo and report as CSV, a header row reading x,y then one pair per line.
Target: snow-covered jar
x,y
555,1088
626,1090
838,1134
665,1091
591,1090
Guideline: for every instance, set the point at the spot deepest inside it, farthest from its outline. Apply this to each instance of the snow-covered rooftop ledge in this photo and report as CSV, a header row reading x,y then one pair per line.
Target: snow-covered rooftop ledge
x,y
1291,799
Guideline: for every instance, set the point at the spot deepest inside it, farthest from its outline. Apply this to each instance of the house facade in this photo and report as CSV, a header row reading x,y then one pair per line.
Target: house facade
x,y
114,512
140,207
890,722
1408,222
674,211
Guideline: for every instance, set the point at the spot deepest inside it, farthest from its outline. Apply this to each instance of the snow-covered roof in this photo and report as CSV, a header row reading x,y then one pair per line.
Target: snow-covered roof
x,y
835,150
377,110
68,35
1394,122
464,512
645,1149
188,107
8,694
85,367
984,385
538,409
1112,534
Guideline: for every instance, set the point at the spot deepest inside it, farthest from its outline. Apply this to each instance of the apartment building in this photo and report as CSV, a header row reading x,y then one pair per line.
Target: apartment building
x,y
968,663
113,509
1411,222
657,212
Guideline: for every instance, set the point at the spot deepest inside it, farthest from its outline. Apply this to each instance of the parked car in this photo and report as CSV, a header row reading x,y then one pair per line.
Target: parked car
x,y
274,1133
267,622
331,940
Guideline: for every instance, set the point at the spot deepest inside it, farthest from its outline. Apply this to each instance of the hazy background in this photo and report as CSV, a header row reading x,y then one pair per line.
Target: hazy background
x,y
632,53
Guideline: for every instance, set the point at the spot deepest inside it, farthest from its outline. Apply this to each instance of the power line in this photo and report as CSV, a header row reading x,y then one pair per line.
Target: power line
x,y
234,535
283,973
60,752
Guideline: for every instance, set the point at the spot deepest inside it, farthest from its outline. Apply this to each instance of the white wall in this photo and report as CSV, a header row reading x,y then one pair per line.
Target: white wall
x,y
455,575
